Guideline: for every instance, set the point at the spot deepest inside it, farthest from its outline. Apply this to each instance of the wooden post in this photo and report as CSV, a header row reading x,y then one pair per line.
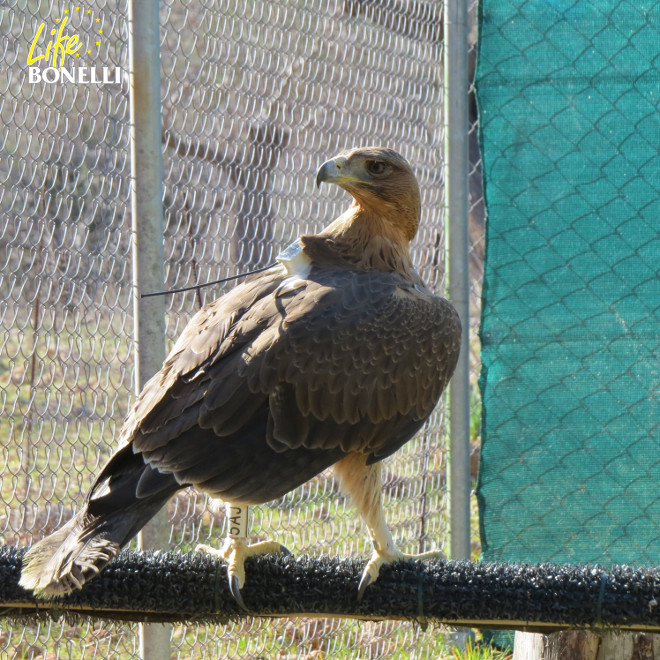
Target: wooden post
x,y
586,645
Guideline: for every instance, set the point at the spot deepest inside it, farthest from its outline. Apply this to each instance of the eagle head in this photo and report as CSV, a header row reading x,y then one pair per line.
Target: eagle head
x,y
381,183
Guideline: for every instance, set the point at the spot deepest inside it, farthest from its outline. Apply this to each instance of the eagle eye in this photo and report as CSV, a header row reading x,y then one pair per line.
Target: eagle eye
x,y
377,168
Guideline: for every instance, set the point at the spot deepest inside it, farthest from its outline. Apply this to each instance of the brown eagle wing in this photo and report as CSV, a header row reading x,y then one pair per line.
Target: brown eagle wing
x,y
342,361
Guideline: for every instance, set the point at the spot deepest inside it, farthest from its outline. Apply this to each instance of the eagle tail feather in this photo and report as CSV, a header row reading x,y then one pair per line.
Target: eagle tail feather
x,y
65,560
62,562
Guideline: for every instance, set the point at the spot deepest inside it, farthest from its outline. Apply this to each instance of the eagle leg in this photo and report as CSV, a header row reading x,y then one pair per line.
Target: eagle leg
x,y
363,483
235,550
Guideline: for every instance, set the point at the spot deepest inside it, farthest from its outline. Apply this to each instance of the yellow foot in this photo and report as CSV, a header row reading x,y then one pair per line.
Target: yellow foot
x,y
381,558
235,552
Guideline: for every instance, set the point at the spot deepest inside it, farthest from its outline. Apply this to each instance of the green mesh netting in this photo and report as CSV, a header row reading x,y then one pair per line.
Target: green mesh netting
x,y
570,131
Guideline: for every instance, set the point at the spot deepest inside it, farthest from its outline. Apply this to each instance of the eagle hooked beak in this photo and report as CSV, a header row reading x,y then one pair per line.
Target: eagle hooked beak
x,y
333,171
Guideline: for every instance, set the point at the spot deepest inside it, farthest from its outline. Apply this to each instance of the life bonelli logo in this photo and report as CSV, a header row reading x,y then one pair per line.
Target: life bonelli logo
x,y
57,54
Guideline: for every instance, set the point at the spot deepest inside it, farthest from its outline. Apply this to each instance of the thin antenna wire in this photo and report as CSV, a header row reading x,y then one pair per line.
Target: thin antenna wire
x,y
200,286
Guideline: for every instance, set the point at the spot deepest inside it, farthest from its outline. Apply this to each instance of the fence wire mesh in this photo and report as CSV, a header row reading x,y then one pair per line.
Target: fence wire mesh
x,y
476,249
255,96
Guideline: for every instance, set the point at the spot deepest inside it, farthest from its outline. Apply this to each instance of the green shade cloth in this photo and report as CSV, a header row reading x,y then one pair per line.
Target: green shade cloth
x,y
568,94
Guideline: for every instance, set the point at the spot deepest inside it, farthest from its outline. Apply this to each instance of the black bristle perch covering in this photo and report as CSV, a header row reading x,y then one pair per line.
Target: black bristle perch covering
x,y
144,586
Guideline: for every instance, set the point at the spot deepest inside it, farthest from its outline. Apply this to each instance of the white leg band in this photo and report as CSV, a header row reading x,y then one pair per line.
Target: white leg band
x,y
237,521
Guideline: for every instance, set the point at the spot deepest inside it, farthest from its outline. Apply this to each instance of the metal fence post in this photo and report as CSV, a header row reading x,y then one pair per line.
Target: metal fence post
x,y
147,244
456,182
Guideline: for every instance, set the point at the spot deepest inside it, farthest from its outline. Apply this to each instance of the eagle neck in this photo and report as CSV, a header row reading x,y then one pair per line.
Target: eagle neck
x,y
368,241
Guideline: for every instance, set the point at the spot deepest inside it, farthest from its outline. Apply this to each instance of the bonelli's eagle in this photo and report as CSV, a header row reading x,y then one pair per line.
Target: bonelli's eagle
x,y
335,356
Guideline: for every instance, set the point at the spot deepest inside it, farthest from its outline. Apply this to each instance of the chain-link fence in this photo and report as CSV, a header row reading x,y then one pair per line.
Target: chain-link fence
x,y
255,96
570,127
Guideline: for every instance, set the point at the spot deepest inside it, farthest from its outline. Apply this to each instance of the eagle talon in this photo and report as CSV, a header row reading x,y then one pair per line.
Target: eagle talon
x,y
378,559
372,569
234,552
365,581
234,587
